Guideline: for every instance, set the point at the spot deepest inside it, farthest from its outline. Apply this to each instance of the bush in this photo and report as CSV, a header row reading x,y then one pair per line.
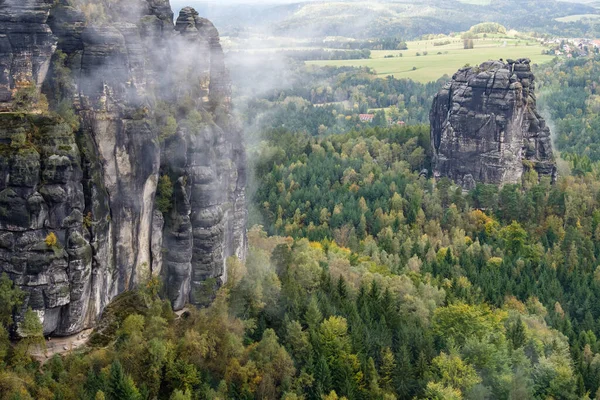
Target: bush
x,y
51,240
164,194
67,113
88,220
26,97
18,139
168,129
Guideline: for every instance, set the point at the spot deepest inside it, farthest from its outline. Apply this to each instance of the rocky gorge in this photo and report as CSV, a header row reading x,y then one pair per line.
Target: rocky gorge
x,y
119,157
485,126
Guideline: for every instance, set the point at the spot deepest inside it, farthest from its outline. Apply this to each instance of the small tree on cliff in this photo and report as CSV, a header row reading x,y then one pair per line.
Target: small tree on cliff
x,y
164,194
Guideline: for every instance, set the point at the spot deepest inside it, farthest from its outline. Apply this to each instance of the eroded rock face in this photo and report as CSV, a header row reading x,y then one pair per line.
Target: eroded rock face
x,y
485,126
26,46
208,166
41,200
95,186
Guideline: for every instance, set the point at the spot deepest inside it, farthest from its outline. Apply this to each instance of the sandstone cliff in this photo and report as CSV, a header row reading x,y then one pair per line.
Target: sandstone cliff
x,y
485,126
136,170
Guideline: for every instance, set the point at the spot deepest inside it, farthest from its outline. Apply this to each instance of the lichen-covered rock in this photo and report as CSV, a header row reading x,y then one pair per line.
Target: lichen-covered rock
x,y
207,161
79,222
45,245
485,126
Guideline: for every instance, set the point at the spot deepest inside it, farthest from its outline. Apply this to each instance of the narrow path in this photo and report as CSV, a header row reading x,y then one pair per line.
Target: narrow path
x,y
62,345
181,312
66,344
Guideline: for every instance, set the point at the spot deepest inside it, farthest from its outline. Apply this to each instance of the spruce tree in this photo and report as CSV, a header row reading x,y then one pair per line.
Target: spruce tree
x,y
120,386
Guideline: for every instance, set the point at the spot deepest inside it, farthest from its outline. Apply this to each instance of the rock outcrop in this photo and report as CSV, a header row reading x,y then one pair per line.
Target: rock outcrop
x,y
139,117
485,126
26,45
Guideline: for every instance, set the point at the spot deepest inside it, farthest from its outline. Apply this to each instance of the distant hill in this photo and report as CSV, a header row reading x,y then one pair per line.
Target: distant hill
x,y
365,19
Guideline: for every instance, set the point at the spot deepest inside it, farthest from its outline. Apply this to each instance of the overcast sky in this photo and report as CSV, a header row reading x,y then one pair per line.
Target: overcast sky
x,y
183,3
205,7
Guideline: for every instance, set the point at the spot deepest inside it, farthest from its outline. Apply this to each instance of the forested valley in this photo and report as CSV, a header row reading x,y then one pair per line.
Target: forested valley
x,y
366,278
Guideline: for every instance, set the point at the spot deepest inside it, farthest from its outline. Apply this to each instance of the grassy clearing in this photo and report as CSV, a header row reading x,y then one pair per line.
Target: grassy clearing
x,y
433,66
575,18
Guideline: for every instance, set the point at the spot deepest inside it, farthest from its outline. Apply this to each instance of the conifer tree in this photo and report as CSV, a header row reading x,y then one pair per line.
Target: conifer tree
x,y
120,386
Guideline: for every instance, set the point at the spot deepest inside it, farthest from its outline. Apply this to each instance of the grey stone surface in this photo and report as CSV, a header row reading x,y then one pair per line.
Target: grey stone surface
x,y
485,126
95,187
26,46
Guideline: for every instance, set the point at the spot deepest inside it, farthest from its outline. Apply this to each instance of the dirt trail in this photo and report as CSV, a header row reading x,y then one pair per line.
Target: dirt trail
x,y
66,344
181,312
62,345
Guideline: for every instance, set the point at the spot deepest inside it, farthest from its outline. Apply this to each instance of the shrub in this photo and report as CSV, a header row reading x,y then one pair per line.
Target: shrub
x,y
169,128
67,113
88,220
51,240
26,97
164,194
18,139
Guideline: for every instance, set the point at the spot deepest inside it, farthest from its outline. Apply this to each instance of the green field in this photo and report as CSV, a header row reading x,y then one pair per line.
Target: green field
x,y
433,66
575,18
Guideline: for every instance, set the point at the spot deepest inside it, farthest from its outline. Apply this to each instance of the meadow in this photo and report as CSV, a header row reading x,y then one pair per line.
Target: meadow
x,y
433,62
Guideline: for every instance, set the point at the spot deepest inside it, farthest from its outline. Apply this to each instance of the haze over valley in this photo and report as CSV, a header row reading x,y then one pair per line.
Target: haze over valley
x,y
318,200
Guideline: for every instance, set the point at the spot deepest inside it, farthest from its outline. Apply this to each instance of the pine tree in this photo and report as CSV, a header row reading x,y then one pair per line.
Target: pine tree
x,y
404,379
120,386
313,316
32,331
449,259
580,385
386,371
94,384
10,297
342,288
323,381
372,377
516,333
421,369
362,227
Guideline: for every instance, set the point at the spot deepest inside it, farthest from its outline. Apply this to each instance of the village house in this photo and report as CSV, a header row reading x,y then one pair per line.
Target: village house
x,y
366,117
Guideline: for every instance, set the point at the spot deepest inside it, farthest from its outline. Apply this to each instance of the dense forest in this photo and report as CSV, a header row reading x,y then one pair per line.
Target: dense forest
x,y
368,281
326,100
570,94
